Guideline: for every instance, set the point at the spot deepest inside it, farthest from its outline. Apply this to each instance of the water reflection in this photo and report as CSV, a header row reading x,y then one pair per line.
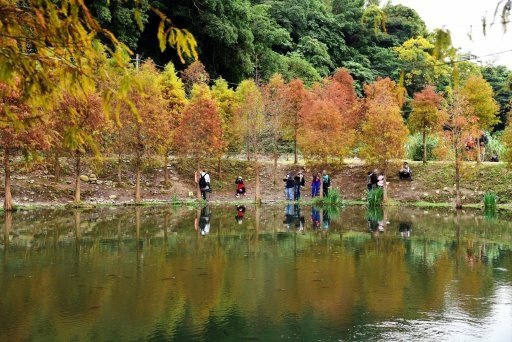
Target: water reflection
x,y
195,273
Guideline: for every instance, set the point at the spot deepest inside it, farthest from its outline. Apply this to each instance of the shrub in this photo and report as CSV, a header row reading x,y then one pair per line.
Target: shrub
x,y
494,144
414,147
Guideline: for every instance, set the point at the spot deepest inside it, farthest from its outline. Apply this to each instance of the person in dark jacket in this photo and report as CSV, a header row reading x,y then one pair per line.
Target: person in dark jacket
x,y
289,187
326,183
298,183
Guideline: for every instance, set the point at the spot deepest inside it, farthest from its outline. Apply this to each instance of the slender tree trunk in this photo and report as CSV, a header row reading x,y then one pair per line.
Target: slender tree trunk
x,y
119,163
166,169
385,185
77,176
295,146
478,151
137,179
424,147
219,167
276,156
56,166
7,169
458,199
257,196
197,177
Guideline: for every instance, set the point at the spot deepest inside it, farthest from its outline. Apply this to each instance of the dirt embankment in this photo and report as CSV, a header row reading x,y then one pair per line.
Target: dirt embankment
x,y
432,182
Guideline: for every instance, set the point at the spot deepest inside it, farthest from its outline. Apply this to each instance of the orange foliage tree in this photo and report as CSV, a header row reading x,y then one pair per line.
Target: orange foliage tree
x,y
462,127
195,73
383,132
77,122
295,94
143,120
251,108
275,104
427,116
173,93
21,128
199,134
330,118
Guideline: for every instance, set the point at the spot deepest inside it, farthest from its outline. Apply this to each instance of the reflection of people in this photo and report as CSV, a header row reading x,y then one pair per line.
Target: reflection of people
x,y
204,221
240,212
326,220
299,219
315,217
289,215
405,229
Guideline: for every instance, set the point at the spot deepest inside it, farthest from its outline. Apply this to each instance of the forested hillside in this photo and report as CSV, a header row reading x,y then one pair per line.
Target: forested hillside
x,y
305,39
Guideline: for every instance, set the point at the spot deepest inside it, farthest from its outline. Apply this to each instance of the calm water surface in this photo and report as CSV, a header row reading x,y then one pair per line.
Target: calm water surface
x,y
269,274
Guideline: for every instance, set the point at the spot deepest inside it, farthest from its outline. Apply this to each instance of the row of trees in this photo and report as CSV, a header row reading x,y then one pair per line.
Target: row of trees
x,y
162,113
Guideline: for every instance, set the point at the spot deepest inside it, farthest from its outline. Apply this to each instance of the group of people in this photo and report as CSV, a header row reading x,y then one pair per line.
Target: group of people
x,y
377,179
294,184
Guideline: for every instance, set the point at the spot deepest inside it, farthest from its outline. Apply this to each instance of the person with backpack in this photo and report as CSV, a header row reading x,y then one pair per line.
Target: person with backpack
x,y
204,185
240,186
326,183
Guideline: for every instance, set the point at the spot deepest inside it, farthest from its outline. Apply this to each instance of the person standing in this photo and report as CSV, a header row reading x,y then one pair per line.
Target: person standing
x,y
289,187
315,186
204,185
298,183
326,183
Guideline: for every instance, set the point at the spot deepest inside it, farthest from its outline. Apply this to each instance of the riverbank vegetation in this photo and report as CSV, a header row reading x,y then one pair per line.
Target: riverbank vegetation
x,y
267,83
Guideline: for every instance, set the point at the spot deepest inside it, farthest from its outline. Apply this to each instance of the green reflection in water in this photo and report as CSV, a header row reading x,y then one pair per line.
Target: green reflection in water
x,y
264,273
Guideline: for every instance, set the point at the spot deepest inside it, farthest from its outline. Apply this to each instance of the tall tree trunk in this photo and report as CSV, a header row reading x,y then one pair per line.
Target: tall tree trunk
x,y
7,169
276,156
137,179
385,185
119,163
257,196
166,169
197,177
219,167
424,146
295,146
77,176
458,199
478,151
56,166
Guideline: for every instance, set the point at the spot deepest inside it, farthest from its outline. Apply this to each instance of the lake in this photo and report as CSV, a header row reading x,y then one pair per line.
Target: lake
x,y
267,273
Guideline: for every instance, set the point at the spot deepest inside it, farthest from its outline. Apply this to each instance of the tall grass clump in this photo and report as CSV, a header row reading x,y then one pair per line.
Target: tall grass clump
x,y
333,199
490,201
375,197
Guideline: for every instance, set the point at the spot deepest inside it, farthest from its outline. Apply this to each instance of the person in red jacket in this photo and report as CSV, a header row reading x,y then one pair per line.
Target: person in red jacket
x,y
240,186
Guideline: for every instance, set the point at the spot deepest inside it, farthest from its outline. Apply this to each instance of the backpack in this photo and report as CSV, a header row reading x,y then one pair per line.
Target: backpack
x,y
202,182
